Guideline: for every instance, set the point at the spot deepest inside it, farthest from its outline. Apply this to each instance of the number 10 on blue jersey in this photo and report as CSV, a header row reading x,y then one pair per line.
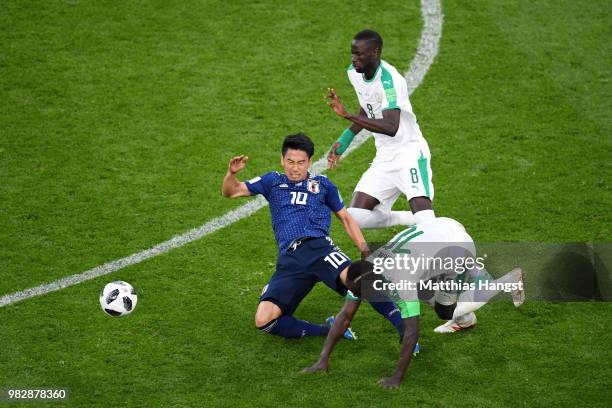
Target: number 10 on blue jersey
x,y
336,259
298,197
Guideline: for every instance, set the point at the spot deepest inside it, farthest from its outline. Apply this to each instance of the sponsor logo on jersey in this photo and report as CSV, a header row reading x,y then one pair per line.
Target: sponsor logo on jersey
x,y
313,186
283,186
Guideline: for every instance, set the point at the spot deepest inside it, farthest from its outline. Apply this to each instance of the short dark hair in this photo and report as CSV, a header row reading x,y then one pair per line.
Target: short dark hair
x,y
370,36
360,274
299,141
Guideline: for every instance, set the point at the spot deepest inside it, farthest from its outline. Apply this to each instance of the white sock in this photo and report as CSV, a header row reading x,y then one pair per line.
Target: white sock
x,y
467,303
464,308
424,215
402,217
465,319
380,219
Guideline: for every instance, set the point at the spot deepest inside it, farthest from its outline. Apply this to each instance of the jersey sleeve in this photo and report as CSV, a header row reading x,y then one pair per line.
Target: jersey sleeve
x,y
409,308
351,296
392,91
261,184
332,197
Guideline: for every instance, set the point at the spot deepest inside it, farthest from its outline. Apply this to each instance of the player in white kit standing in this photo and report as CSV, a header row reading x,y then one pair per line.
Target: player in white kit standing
x,y
402,162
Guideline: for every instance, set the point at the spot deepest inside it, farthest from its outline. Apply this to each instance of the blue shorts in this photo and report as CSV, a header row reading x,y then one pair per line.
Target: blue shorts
x,y
297,271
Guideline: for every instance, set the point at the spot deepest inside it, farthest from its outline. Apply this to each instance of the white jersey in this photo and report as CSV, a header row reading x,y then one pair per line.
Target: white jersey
x,y
388,90
427,239
439,248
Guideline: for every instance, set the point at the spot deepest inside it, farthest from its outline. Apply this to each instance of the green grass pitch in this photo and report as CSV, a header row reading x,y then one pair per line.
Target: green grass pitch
x,y
117,121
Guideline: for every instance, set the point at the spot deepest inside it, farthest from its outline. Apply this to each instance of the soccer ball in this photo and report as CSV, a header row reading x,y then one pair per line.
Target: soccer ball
x,y
118,298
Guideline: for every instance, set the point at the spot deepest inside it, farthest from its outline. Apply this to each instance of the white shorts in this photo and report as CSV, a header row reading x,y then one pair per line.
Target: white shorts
x,y
385,181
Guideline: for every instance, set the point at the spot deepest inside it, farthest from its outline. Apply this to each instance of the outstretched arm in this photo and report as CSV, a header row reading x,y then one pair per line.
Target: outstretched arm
x,y
342,322
354,127
411,335
388,125
232,187
354,232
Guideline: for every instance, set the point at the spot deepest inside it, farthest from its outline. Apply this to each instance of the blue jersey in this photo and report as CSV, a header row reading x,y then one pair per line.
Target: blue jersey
x,y
298,210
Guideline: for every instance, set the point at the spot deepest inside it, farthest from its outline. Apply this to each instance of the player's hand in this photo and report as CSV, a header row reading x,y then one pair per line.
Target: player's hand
x,y
333,159
237,163
389,382
319,366
335,103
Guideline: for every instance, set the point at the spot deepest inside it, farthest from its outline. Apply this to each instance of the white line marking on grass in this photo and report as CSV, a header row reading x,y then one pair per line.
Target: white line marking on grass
x,y
431,11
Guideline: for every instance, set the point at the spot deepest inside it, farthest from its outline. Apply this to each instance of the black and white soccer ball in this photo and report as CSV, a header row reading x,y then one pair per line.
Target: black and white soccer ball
x,y
118,298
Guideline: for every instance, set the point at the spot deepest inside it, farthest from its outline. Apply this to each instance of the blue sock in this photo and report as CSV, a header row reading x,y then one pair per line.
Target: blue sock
x,y
290,327
391,313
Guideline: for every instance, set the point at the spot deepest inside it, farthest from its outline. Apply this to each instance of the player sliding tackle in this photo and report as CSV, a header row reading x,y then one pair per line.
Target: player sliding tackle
x,y
441,239
300,206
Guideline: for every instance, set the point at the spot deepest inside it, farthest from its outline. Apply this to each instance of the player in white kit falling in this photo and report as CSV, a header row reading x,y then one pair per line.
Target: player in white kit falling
x,y
437,238
402,162
445,241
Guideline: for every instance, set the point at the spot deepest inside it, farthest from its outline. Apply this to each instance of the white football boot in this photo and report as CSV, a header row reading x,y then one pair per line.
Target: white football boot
x,y
465,322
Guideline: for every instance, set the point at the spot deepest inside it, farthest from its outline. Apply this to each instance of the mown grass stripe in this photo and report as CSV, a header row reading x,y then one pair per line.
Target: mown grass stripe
x,y
431,11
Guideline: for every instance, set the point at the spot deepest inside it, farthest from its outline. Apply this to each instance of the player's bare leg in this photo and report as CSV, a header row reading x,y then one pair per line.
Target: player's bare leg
x,y
266,312
363,210
422,209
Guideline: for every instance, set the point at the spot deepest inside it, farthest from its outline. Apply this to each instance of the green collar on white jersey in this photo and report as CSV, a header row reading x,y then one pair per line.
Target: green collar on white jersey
x,y
375,73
